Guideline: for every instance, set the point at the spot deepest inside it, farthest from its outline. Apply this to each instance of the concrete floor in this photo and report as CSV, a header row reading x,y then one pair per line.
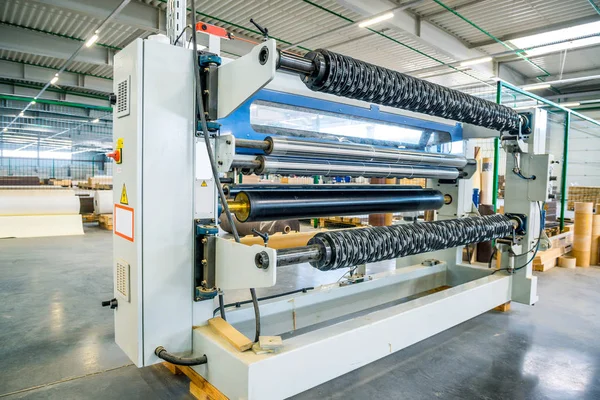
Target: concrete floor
x,y
57,342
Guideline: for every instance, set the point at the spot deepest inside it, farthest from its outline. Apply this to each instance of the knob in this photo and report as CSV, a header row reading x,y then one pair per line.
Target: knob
x,y
113,303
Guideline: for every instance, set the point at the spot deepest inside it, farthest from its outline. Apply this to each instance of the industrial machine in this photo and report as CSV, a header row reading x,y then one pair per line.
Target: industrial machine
x,y
184,120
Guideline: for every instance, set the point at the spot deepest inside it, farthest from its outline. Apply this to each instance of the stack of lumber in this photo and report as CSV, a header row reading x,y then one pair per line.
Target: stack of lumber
x,y
561,245
19,181
60,182
589,194
97,182
413,181
106,221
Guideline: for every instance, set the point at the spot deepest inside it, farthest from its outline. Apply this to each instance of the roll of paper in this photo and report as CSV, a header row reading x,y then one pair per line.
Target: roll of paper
x,y
103,201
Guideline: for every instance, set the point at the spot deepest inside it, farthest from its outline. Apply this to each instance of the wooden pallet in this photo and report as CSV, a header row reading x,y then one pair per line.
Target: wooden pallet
x,y
106,221
97,186
89,217
347,221
200,388
561,245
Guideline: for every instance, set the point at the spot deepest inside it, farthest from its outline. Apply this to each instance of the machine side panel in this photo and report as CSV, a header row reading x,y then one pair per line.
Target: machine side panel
x,y
127,253
168,197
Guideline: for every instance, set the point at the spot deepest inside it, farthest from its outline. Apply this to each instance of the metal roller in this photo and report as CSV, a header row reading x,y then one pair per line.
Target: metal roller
x,y
329,72
311,167
281,146
348,248
275,205
235,189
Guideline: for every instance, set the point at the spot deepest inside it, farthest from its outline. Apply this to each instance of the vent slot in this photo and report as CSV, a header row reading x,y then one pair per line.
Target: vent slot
x,y
123,90
122,279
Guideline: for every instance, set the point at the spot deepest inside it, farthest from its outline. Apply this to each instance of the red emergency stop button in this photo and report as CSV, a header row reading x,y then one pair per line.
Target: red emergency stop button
x,y
115,155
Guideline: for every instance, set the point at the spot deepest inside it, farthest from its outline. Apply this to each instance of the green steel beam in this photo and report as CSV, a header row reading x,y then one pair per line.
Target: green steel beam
x,y
548,102
496,154
54,102
49,89
595,6
565,163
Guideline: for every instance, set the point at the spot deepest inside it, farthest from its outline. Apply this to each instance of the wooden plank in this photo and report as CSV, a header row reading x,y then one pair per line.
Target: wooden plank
x,y
545,266
232,335
173,368
503,307
200,388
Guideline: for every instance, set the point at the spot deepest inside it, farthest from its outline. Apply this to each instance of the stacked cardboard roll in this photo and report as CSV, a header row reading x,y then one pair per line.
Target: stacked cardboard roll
x,y
595,238
582,235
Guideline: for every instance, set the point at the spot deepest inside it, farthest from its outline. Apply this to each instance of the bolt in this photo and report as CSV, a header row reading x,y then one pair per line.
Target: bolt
x,y
206,91
228,141
204,240
204,262
220,162
206,70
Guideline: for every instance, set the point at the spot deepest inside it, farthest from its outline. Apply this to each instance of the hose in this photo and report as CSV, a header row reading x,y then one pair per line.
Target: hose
x,y
213,164
163,354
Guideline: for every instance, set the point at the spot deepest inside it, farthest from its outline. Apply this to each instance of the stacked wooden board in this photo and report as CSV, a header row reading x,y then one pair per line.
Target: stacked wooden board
x,y
561,245
589,194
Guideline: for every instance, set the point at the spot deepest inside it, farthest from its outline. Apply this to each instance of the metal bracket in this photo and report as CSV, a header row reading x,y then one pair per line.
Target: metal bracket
x,y
225,152
240,79
235,266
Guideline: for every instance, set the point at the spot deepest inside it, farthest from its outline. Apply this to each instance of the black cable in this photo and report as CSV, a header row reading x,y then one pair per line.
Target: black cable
x,y
221,306
211,158
163,354
537,247
272,296
492,257
181,34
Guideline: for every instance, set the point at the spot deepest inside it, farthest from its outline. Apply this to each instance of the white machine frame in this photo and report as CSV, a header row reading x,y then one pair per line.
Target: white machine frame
x,y
167,178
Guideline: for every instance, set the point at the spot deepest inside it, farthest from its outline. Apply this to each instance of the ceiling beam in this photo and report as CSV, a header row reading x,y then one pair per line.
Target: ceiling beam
x,y
29,73
29,91
135,14
535,31
459,7
421,31
41,44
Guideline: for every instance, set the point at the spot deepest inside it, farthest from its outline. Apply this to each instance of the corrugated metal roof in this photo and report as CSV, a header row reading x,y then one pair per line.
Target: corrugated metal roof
x,y
504,17
295,20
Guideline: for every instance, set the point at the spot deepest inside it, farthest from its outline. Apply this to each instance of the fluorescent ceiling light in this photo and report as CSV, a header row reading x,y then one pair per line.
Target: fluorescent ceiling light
x,y
536,86
32,102
21,114
96,121
376,20
557,35
476,61
5,130
573,104
91,41
54,80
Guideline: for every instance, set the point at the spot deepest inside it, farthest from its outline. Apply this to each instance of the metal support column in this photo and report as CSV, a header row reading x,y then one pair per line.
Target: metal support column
x,y
496,154
565,161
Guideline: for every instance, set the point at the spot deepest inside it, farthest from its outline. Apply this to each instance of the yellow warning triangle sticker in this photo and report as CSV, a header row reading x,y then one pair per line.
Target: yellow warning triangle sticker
x,y
124,195
203,184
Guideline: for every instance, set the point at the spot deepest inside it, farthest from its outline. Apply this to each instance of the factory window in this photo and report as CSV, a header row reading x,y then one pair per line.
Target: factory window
x,y
272,118
34,154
